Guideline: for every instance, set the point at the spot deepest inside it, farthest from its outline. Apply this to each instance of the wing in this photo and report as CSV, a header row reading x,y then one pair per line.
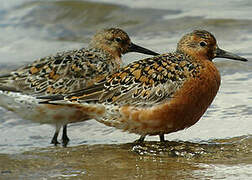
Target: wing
x,y
152,80
91,93
59,74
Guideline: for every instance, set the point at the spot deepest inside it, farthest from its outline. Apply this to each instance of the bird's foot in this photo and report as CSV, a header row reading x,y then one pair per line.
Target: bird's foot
x,y
140,140
65,141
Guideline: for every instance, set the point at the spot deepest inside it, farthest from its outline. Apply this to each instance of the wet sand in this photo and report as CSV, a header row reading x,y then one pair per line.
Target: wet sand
x,y
151,160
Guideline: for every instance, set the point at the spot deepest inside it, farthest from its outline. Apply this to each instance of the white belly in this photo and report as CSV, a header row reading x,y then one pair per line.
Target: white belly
x,y
27,107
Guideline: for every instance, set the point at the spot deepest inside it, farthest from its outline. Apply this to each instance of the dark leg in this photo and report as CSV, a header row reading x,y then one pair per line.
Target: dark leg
x,y
65,139
161,137
141,139
55,136
54,139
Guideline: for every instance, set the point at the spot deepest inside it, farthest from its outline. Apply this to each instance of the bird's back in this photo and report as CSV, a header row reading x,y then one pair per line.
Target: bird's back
x,y
61,73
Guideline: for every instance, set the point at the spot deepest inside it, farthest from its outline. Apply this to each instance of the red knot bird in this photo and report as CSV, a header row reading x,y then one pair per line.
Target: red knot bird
x,y
161,94
63,73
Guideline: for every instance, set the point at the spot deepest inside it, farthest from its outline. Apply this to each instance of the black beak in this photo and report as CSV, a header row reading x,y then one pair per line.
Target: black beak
x,y
135,48
224,54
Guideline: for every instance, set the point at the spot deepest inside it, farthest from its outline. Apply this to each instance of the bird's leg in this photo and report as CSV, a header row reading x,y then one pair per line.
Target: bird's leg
x,y
65,138
141,139
161,137
55,136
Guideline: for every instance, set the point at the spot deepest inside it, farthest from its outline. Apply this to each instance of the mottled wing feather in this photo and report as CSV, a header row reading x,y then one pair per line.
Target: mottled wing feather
x,y
91,93
65,72
145,82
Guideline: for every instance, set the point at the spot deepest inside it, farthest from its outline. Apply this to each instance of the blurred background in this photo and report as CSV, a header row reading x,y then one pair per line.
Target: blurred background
x,y
217,147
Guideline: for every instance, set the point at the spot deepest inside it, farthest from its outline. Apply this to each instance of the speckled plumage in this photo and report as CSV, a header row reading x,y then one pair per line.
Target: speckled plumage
x,y
72,70
63,73
162,94
147,82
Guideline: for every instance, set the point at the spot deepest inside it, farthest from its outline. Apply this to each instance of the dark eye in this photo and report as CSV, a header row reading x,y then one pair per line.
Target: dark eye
x,y
203,43
118,39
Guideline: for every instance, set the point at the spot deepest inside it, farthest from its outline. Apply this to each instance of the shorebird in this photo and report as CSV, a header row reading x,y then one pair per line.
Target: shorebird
x,y
63,73
157,95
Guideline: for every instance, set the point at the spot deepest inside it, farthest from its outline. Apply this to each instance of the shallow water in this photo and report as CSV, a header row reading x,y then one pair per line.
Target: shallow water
x,y
217,147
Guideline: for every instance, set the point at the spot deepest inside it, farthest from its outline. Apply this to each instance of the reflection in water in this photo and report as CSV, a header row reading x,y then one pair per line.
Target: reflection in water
x,y
211,150
147,160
